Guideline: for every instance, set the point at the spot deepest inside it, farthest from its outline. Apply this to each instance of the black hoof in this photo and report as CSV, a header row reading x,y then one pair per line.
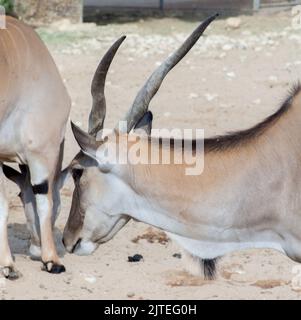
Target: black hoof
x,y
11,274
53,268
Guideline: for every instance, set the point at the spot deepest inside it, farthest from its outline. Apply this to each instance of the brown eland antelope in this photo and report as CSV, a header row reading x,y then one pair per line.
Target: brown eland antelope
x,y
34,110
248,195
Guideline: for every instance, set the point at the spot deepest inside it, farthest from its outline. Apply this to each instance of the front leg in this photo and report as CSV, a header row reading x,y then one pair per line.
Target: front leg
x,y
42,186
6,261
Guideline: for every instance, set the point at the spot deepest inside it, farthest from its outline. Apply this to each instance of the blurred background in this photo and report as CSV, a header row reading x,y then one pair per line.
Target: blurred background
x,y
43,11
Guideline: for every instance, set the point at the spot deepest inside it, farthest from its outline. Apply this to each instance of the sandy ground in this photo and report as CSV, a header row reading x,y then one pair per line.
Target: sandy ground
x,y
231,80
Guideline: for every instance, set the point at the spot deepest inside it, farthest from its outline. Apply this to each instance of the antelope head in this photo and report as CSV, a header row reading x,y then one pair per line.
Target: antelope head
x,y
104,190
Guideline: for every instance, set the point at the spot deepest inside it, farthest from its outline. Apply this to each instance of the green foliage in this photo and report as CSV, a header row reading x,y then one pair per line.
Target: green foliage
x,y
8,5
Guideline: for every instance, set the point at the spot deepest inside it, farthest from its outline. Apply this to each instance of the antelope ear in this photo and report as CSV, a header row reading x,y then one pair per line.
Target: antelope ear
x,y
87,143
145,124
14,175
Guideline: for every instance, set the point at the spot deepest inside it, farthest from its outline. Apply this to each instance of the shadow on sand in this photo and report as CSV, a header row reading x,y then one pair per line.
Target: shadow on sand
x,y
19,239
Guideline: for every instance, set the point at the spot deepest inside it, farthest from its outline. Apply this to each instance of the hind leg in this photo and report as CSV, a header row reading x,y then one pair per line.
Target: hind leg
x,y
42,179
28,200
6,260
29,203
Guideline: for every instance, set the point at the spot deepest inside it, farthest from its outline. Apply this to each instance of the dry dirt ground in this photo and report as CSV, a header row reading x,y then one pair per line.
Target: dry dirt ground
x,y
232,79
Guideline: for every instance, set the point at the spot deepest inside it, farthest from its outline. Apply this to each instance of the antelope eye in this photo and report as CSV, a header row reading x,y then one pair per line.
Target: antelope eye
x,y
77,173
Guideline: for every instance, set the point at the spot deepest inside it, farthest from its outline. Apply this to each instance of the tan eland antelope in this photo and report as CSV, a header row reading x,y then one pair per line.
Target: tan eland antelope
x,y
34,110
248,195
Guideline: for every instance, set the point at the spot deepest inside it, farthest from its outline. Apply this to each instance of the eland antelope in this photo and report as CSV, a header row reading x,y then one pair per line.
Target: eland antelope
x,y
248,195
34,110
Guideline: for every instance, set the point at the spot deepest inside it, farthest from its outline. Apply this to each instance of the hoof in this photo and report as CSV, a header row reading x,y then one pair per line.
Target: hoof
x,y
53,268
11,274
